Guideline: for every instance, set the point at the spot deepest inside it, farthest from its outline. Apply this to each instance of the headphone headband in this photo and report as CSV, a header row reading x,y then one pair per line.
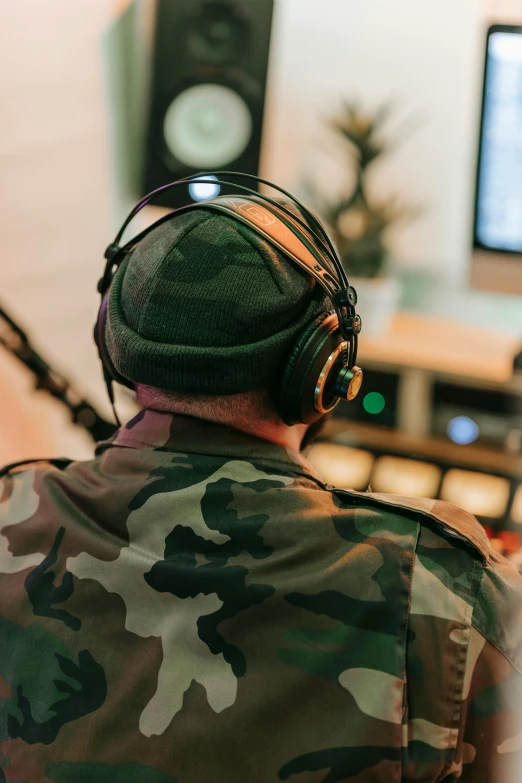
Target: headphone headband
x,y
326,242
341,294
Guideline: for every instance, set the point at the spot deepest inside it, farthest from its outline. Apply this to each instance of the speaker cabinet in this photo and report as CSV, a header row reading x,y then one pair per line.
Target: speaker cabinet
x,y
202,88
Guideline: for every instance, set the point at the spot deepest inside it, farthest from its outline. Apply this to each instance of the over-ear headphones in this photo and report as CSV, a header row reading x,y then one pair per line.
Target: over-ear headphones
x,y
320,368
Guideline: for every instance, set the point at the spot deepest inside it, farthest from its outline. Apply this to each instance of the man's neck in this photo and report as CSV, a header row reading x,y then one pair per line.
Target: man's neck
x,y
247,413
282,435
287,437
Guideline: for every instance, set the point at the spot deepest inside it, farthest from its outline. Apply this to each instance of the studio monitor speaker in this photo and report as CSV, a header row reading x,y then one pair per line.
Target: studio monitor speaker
x,y
190,89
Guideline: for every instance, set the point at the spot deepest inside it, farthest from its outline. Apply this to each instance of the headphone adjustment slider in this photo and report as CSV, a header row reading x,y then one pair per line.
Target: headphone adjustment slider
x,y
353,324
347,297
111,252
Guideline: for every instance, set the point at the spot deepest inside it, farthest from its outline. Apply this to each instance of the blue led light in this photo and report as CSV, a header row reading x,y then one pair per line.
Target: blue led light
x,y
462,430
203,191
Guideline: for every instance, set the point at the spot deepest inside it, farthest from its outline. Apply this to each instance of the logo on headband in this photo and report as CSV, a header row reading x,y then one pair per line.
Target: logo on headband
x,y
255,213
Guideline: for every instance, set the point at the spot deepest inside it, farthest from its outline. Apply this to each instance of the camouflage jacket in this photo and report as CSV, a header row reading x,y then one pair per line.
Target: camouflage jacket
x,y
194,605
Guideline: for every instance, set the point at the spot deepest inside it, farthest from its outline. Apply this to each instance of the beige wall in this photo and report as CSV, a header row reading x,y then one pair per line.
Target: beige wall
x,y
425,56
54,220
505,10
54,196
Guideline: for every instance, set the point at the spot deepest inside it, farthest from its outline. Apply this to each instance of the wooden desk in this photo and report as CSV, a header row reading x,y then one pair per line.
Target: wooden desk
x,y
368,436
422,349
447,348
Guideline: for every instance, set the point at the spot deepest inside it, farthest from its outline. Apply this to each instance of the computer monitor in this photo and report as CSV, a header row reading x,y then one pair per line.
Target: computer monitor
x,y
497,239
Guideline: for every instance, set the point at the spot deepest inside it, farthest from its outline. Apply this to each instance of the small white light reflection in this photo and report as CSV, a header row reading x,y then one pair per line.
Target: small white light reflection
x,y
204,191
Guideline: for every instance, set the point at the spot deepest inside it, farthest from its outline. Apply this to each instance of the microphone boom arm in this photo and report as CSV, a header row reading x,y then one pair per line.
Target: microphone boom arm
x,y
15,341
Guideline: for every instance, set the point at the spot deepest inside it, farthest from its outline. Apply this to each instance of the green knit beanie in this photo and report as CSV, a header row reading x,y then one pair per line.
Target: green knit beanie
x,y
205,305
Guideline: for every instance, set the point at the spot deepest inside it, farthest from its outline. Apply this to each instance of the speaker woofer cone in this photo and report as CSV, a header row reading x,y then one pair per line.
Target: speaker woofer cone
x,y
208,126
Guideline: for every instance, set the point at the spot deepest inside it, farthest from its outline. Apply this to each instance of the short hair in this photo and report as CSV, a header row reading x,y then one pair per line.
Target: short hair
x,y
232,408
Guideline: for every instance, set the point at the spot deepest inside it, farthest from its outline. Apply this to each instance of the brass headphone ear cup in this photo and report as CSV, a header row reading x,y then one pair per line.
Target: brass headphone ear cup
x,y
286,396
310,354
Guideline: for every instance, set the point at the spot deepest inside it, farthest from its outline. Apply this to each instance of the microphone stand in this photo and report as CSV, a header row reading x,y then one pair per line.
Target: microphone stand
x,y
15,340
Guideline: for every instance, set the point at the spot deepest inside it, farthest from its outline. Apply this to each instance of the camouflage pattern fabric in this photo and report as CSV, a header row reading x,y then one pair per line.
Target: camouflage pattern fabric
x,y
194,605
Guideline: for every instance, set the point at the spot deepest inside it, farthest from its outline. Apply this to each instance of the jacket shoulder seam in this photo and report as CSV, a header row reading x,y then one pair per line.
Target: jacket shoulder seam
x,y
477,542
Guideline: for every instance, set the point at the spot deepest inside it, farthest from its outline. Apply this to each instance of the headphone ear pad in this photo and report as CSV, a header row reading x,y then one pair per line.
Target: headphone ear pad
x,y
293,388
103,353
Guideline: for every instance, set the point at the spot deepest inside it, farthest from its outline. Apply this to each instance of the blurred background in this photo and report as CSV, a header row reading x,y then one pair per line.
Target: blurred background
x,y
400,123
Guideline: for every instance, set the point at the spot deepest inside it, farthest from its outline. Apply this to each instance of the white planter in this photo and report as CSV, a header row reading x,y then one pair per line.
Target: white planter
x,y
378,301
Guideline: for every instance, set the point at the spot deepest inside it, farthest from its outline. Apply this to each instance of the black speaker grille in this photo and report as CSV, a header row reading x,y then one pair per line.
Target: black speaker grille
x,y
217,33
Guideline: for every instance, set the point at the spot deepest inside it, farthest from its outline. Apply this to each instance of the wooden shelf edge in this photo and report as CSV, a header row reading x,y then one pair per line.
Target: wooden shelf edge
x,y
481,458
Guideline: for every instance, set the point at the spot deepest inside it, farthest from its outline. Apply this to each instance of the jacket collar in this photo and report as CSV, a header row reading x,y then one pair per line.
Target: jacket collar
x,y
153,430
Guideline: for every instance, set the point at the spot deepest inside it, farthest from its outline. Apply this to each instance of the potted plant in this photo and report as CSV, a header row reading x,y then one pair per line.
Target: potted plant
x,y
358,222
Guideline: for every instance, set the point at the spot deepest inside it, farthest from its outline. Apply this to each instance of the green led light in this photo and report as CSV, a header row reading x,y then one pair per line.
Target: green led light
x,y
374,403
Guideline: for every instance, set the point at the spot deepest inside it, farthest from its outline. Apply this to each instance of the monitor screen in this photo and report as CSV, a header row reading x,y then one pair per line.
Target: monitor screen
x,y
498,212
